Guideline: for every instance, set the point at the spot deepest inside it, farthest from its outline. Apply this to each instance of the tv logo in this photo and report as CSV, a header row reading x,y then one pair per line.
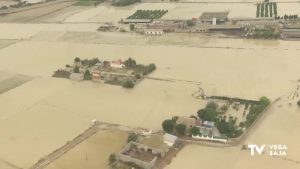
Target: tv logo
x,y
258,149
272,149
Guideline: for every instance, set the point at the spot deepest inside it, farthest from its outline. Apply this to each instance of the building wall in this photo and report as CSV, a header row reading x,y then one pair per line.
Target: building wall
x,y
144,164
33,1
153,33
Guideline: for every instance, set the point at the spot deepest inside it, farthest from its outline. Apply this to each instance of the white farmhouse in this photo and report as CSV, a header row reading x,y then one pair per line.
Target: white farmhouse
x,y
32,1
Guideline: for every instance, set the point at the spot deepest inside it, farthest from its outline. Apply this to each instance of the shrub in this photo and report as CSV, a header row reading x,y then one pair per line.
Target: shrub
x,y
112,158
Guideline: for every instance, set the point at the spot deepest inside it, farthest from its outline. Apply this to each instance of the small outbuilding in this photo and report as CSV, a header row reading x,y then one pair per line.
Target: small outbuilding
x,y
76,76
170,139
214,17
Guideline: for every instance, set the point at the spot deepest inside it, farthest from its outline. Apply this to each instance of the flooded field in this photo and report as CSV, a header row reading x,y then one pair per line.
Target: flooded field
x,y
93,152
254,68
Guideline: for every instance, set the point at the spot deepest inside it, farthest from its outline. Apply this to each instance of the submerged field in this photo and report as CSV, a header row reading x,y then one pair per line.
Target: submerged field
x,y
31,110
93,152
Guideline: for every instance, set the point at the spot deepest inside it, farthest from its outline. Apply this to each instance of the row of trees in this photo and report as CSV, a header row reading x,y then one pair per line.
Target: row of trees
x,y
266,9
139,68
170,126
266,34
288,17
87,62
148,14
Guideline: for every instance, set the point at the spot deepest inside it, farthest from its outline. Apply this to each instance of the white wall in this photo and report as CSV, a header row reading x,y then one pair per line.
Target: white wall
x,y
33,1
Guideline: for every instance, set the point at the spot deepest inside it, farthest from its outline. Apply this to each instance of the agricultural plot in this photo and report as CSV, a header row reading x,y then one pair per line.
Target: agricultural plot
x,y
148,14
266,9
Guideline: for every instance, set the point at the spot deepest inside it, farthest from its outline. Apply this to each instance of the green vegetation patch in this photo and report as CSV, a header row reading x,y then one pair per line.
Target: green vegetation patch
x,y
148,14
266,34
123,2
88,2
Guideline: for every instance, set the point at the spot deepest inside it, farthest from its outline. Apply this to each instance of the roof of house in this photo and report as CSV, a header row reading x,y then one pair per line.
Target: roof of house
x,y
188,121
119,62
208,124
155,141
211,15
170,137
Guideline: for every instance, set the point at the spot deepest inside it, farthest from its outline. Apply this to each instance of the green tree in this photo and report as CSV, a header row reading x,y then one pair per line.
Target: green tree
x,y
180,129
257,9
275,9
195,131
298,103
77,59
132,137
207,114
264,101
168,125
128,84
87,75
93,62
76,69
130,63
271,9
262,10
266,9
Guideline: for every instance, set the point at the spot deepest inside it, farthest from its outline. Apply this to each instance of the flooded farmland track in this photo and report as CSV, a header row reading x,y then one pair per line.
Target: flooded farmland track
x,y
68,146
